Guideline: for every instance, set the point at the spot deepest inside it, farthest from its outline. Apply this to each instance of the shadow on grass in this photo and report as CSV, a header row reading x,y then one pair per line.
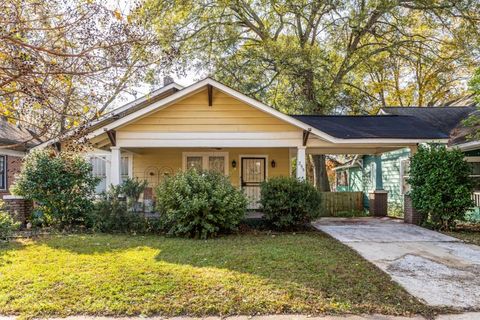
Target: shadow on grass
x,y
309,264
9,247
312,262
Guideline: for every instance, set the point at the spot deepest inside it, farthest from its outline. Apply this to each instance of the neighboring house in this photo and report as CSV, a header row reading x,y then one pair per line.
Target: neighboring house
x,y
210,126
14,142
361,174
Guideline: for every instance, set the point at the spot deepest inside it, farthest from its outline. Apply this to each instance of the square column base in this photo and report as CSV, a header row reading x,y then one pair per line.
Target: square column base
x,y
410,214
377,202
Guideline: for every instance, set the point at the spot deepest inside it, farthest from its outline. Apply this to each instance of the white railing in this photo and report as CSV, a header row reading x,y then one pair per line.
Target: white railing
x,y
476,198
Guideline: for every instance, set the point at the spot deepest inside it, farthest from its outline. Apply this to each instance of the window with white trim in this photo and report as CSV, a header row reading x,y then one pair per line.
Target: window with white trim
x,y
475,175
342,178
3,172
404,175
214,161
373,175
100,169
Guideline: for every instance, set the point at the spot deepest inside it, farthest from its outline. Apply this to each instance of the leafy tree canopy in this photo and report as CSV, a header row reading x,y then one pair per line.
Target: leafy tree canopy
x,y
323,56
63,62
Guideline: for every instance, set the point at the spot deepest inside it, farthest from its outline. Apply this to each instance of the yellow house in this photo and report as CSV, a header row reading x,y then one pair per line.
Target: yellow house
x,y
210,126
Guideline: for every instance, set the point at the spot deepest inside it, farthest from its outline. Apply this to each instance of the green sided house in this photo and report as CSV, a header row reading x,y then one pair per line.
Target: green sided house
x,y
390,169
211,126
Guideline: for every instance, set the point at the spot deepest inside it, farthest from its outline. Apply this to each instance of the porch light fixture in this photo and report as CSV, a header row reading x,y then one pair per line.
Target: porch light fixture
x,y
273,163
234,164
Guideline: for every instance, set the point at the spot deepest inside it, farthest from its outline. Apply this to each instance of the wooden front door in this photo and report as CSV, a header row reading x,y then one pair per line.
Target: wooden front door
x,y
253,174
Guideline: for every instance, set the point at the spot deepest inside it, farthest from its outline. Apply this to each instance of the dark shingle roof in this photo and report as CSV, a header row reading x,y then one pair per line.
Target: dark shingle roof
x,y
11,135
444,118
377,127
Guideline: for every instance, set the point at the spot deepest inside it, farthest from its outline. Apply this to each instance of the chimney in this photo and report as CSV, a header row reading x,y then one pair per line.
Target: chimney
x,y
167,80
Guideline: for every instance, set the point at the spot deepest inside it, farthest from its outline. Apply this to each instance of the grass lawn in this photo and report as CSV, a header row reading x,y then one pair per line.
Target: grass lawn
x,y
471,236
98,274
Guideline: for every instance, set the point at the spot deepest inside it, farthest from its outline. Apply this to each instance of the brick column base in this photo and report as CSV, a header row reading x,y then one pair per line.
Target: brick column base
x,y
19,208
410,215
378,203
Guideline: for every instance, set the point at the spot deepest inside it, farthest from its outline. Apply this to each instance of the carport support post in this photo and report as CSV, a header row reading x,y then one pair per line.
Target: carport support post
x,y
301,163
115,164
378,200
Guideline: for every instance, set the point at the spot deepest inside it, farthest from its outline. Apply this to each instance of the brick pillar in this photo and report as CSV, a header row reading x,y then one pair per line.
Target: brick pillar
x,y
378,203
410,215
18,207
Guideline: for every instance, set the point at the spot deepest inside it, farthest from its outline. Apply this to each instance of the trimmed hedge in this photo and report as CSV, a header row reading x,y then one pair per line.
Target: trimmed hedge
x,y
199,204
288,202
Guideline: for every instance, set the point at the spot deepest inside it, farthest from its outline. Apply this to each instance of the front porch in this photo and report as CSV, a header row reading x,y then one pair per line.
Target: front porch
x,y
246,168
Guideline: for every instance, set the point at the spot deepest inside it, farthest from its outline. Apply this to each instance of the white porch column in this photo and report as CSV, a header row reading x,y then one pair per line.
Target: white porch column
x,y
115,164
301,163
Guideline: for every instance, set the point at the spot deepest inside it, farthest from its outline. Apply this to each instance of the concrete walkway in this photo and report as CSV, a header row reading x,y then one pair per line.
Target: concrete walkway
x,y
438,269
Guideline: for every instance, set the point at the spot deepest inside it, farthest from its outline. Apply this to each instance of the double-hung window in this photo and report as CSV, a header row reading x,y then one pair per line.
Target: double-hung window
x,y
207,161
3,172
342,178
101,169
404,175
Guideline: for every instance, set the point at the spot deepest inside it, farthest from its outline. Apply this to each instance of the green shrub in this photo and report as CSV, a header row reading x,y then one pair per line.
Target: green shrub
x,y
132,189
288,202
112,213
440,185
7,224
62,185
199,204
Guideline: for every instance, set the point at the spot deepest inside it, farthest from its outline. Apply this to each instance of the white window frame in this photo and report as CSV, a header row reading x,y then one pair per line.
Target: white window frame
x,y
5,181
337,176
473,159
402,174
205,156
108,156
373,175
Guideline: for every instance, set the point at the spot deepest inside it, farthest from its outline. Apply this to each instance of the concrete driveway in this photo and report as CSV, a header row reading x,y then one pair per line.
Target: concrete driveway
x,y
438,269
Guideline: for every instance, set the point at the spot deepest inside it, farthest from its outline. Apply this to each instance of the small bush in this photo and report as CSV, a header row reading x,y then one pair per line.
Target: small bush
x,y
113,214
199,204
132,189
63,186
288,202
7,224
440,185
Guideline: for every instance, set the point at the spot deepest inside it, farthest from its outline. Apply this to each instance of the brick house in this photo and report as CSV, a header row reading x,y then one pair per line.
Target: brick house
x,y
14,142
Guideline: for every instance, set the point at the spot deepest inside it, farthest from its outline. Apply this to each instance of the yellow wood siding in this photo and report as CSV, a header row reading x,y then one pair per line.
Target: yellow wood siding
x,y
193,114
169,160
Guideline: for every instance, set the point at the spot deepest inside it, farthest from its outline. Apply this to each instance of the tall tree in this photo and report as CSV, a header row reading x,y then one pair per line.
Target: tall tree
x,y
63,62
303,56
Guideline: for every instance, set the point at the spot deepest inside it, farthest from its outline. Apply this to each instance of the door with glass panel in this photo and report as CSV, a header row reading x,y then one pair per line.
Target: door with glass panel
x,y
252,175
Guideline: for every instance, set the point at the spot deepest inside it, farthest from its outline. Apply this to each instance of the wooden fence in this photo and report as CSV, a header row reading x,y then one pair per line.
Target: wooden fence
x,y
341,203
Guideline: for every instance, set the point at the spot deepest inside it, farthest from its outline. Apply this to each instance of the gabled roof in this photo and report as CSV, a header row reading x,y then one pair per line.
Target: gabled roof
x,y
323,127
197,87
136,105
125,110
374,127
16,137
444,119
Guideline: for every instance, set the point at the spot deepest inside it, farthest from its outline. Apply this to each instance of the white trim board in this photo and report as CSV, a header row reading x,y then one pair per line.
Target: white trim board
x,y
12,153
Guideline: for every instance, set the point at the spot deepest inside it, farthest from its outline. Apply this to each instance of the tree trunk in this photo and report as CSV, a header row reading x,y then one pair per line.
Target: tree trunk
x,y
321,177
